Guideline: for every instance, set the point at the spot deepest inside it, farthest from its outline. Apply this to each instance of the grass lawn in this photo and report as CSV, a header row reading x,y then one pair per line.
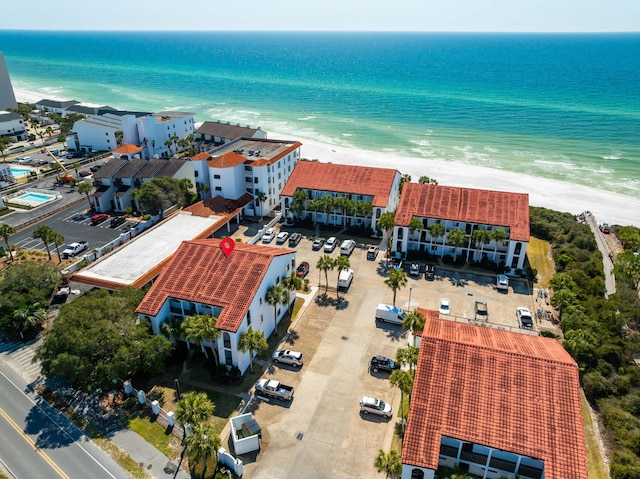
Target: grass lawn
x,y
155,434
595,463
539,257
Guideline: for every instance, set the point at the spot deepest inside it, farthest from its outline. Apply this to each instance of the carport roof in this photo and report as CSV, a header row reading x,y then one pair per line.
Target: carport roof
x,y
202,273
501,389
139,261
485,207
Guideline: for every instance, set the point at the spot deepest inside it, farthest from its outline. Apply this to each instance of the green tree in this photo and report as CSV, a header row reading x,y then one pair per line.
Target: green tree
x,y
259,198
57,240
389,463
201,328
291,283
159,194
6,231
44,233
457,239
404,178
414,321
627,266
397,280
425,180
26,318
629,236
341,263
85,189
194,408
481,237
436,230
403,380
49,132
562,281
415,225
98,338
119,134
498,235
275,296
387,221
4,143
171,328
408,356
298,203
325,263
563,299
252,341
202,445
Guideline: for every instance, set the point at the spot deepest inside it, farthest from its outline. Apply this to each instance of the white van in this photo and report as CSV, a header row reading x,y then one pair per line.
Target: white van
x,y
347,246
345,278
390,314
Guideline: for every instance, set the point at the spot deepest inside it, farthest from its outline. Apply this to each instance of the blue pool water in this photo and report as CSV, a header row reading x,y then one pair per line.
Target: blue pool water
x,y
19,171
36,198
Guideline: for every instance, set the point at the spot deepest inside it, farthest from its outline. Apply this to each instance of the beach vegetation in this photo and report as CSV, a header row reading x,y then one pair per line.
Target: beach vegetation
x,y
404,178
5,232
4,144
425,180
46,234
601,334
629,236
160,193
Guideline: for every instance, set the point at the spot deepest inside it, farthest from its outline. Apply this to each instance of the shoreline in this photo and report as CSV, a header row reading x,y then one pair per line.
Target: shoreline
x,y
607,207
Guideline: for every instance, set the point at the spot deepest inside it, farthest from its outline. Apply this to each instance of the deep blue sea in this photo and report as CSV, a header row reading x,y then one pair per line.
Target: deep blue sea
x,y
562,106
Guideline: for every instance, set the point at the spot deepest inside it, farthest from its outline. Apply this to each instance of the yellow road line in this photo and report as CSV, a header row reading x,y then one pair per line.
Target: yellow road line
x,y
33,444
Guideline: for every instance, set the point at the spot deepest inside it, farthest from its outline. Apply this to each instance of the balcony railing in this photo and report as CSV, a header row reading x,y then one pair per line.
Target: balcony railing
x,y
474,457
532,472
448,451
503,465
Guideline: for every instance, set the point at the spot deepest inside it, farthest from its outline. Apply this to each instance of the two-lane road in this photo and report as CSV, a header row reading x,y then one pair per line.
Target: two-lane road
x,y
37,441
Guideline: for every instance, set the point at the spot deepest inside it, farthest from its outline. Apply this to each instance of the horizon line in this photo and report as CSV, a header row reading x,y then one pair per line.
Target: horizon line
x,y
458,32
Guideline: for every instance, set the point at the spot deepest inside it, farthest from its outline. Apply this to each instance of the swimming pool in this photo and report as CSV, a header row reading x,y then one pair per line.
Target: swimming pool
x,y
32,197
37,197
18,172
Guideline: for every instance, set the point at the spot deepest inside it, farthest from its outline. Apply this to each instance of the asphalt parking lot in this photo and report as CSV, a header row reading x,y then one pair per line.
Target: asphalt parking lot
x,y
321,433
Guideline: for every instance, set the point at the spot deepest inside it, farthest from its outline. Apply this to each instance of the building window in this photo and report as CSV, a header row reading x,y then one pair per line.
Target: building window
x,y
249,318
226,338
247,168
218,188
400,233
417,474
228,358
247,179
255,180
216,177
196,173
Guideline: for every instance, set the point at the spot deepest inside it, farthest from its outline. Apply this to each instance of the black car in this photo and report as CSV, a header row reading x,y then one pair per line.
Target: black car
x,y
382,363
294,239
117,221
302,270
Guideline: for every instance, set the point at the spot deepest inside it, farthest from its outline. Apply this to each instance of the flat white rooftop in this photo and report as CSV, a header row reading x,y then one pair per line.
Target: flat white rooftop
x,y
148,251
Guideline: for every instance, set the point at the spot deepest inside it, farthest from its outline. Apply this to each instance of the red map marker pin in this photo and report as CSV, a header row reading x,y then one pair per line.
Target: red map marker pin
x,y
227,246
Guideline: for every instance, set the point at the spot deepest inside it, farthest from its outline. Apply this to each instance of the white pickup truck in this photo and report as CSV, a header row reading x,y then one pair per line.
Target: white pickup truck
x,y
275,389
74,249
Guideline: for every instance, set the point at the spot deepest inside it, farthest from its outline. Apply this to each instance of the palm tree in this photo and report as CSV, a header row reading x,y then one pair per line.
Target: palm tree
x,y
168,144
86,188
413,321
201,328
416,225
49,131
298,203
408,356
275,296
202,445
171,328
403,380
397,279
26,318
404,178
425,180
44,233
252,341
6,231
291,283
57,239
341,263
387,221
119,134
327,204
325,263
498,235
436,230
389,463
260,197
457,239
194,408
481,236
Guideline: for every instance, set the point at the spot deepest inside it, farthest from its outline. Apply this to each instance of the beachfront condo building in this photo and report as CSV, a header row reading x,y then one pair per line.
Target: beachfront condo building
x,y
201,279
493,403
7,96
476,225
12,126
317,191
215,133
255,166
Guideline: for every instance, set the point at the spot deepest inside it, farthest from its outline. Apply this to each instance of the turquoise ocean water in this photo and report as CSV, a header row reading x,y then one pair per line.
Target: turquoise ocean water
x,y
565,107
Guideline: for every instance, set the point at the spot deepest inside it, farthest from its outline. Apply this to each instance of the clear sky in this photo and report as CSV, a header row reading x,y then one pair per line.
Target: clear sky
x,y
374,15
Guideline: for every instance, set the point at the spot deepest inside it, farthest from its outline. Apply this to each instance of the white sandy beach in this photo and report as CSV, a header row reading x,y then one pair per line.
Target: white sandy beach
x,y
607,207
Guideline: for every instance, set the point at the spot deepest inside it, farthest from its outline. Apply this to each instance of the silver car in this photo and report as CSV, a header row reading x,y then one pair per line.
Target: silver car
x,y
288,357
375,406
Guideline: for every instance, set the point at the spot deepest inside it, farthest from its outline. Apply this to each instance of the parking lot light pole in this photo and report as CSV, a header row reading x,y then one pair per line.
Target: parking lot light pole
x,y
410,289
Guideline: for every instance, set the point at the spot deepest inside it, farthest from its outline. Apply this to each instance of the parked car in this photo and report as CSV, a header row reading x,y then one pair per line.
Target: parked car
x,y
347,247
397,263
445,306
331,244
302,270
372,253
414,270
95,168
117,221
345,279
274,389
502,282
390,314
288,357
429,272
294,239
382,363
375,406
317,244
84,173
525,320
99,218
482,312
282,237
606,229
268,236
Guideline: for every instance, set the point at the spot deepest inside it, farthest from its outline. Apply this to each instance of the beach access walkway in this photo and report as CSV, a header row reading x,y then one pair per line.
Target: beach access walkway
x,y
607,254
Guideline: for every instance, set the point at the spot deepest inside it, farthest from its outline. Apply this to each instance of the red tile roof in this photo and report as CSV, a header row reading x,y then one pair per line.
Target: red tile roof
x,y
227,160
201,156
467,205
358,180
200,272
128,149
505,390
219,205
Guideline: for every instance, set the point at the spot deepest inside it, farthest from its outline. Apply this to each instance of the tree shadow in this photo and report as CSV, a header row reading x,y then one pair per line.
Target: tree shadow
x,y
291,336
325,300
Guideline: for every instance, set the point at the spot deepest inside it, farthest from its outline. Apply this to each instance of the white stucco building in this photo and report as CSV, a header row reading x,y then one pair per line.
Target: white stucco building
x,y
12,126
7,96
201,279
